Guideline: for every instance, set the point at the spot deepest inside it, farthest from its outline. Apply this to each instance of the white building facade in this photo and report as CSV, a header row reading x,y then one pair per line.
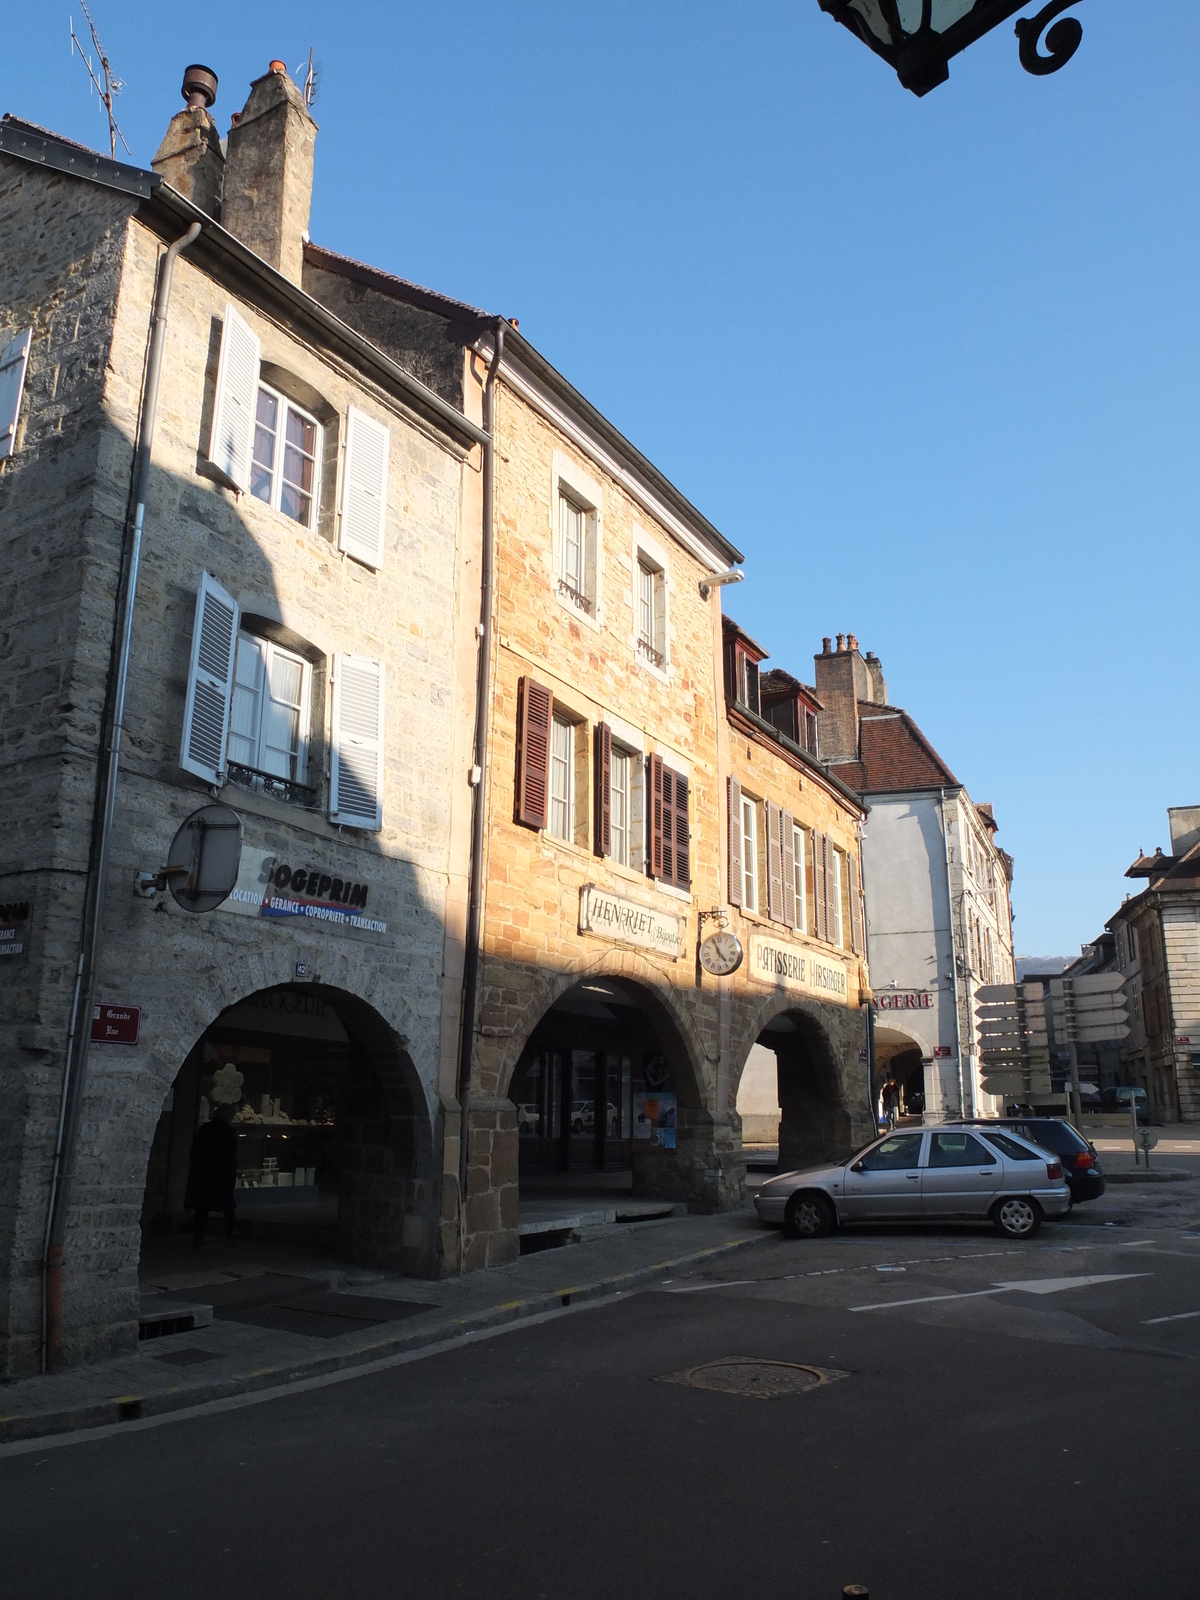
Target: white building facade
x,y
939,914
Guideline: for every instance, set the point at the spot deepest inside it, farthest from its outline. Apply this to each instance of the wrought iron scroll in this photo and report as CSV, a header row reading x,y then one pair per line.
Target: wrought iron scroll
x,y
1061,41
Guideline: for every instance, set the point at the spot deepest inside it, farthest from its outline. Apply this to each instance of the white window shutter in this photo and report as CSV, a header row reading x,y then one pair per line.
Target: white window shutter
x,y
210,682
356,783
231,442
364,489
14,358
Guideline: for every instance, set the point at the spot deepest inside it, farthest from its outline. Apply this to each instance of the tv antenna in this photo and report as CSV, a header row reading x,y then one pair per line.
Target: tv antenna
x,y
110,88
312,78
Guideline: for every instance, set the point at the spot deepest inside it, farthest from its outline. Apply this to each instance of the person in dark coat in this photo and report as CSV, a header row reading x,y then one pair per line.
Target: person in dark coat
x,y
212,1172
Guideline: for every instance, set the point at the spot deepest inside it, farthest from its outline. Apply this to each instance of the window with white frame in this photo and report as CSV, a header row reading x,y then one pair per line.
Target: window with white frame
x,y
835,898
749,854
576,560
269,714
651,633
285,468
562,778
620,795
800,878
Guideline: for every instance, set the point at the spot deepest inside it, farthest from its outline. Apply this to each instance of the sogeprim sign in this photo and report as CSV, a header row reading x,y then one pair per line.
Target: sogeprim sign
x,y
269,887
791,966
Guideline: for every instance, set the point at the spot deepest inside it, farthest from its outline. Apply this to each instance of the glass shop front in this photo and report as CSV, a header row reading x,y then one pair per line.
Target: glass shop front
x,y
592,1086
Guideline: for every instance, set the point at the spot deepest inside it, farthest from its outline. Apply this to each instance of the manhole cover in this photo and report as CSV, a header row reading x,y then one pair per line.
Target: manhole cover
x,y
747,1375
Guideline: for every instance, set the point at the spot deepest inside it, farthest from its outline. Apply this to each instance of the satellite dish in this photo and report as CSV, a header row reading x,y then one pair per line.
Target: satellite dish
x,y
204,858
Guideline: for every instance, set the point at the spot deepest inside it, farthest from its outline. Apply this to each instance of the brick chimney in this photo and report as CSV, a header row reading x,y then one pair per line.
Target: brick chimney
x,y
269,172
878,682
190,158
842,680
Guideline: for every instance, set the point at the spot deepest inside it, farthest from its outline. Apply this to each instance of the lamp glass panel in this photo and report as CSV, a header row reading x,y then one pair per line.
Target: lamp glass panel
x,y
944,13
872,14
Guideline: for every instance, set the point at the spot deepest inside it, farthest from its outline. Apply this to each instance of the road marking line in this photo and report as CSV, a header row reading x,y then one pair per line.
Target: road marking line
x,y
1180,1316
1023,1286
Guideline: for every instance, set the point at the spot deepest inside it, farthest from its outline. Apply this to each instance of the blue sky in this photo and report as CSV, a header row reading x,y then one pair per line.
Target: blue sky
x,y
932,364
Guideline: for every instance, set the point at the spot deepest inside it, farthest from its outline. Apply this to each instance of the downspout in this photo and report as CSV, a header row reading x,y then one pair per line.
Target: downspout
x,y
479,776
86,972
962,1095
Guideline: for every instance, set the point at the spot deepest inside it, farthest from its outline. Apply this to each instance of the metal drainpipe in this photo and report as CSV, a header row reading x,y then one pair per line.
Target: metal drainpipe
x,y
962,1094
79,1032
478,809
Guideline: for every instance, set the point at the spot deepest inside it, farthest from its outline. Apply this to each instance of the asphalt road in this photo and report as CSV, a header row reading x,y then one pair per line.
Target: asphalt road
x,y
996,1419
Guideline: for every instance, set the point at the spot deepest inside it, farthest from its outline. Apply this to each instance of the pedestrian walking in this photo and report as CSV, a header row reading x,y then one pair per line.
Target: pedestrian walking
x,y
212,1173
891,1101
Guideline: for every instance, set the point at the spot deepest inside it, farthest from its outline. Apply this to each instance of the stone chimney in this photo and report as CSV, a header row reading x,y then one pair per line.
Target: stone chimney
x,y
269,172
878,683
190,158
842,680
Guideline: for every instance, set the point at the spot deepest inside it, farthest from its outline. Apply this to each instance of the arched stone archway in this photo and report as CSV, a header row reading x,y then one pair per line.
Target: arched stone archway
x,y
702,1166
351,1097
823,1096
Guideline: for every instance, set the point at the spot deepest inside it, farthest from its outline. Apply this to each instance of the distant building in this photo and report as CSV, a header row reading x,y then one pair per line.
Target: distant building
x,y
939,916
1157,935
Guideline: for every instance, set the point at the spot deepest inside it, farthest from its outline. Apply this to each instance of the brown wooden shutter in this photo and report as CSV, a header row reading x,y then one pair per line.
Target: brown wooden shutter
x,y
603,841
734,886
683,834
787,828
656,817
535,708
820,903
774,865
856,926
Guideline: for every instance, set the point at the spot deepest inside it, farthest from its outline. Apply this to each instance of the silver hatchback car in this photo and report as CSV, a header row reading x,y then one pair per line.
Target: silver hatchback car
x,y
924,1174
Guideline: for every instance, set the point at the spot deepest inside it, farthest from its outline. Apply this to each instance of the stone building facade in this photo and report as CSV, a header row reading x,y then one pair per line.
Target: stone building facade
x,y
794,889
1157,934
295,657
938,888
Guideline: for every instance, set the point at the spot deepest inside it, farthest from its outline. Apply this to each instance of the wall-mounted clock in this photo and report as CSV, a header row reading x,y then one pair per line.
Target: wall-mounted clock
x,y
721,954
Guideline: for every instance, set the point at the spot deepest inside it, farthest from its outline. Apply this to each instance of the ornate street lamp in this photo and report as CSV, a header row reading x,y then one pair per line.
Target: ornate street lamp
x,y
918,37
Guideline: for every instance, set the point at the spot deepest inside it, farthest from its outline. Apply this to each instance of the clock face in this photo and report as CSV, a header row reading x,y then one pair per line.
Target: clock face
x,y
721,954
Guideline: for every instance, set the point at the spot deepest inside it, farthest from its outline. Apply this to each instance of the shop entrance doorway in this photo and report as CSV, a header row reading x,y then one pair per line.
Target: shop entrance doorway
x,y
328,1131
594,1091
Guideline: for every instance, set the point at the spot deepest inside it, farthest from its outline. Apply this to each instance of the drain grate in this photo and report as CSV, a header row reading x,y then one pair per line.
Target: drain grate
x,y
749,1375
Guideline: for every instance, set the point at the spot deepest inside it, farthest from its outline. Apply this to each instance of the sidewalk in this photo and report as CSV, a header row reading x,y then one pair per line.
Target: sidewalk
x,y
268,1322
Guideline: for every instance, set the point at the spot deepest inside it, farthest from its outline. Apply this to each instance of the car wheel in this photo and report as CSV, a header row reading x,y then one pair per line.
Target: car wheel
x,y
809,1216
1018,1217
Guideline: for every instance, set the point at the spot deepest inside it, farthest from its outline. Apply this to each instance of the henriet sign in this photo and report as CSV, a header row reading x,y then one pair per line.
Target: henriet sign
x,y
625,921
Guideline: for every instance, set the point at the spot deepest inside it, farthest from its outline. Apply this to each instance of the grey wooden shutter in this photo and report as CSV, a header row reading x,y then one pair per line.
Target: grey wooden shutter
x,y
856,925
683,834
356,782
603,841
210,682
787,829
14,361
364,489
534,712
656,819
231,439
820,903
774,864
734,885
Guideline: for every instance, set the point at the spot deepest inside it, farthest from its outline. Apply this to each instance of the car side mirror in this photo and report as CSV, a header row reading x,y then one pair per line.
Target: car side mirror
x,y
858,1166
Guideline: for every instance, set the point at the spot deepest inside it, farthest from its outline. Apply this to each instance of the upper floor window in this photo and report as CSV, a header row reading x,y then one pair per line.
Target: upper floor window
x,y
651,613
620,804
573,534
749,854
562,778
575,538
287,453
269,716
835,898
800,875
